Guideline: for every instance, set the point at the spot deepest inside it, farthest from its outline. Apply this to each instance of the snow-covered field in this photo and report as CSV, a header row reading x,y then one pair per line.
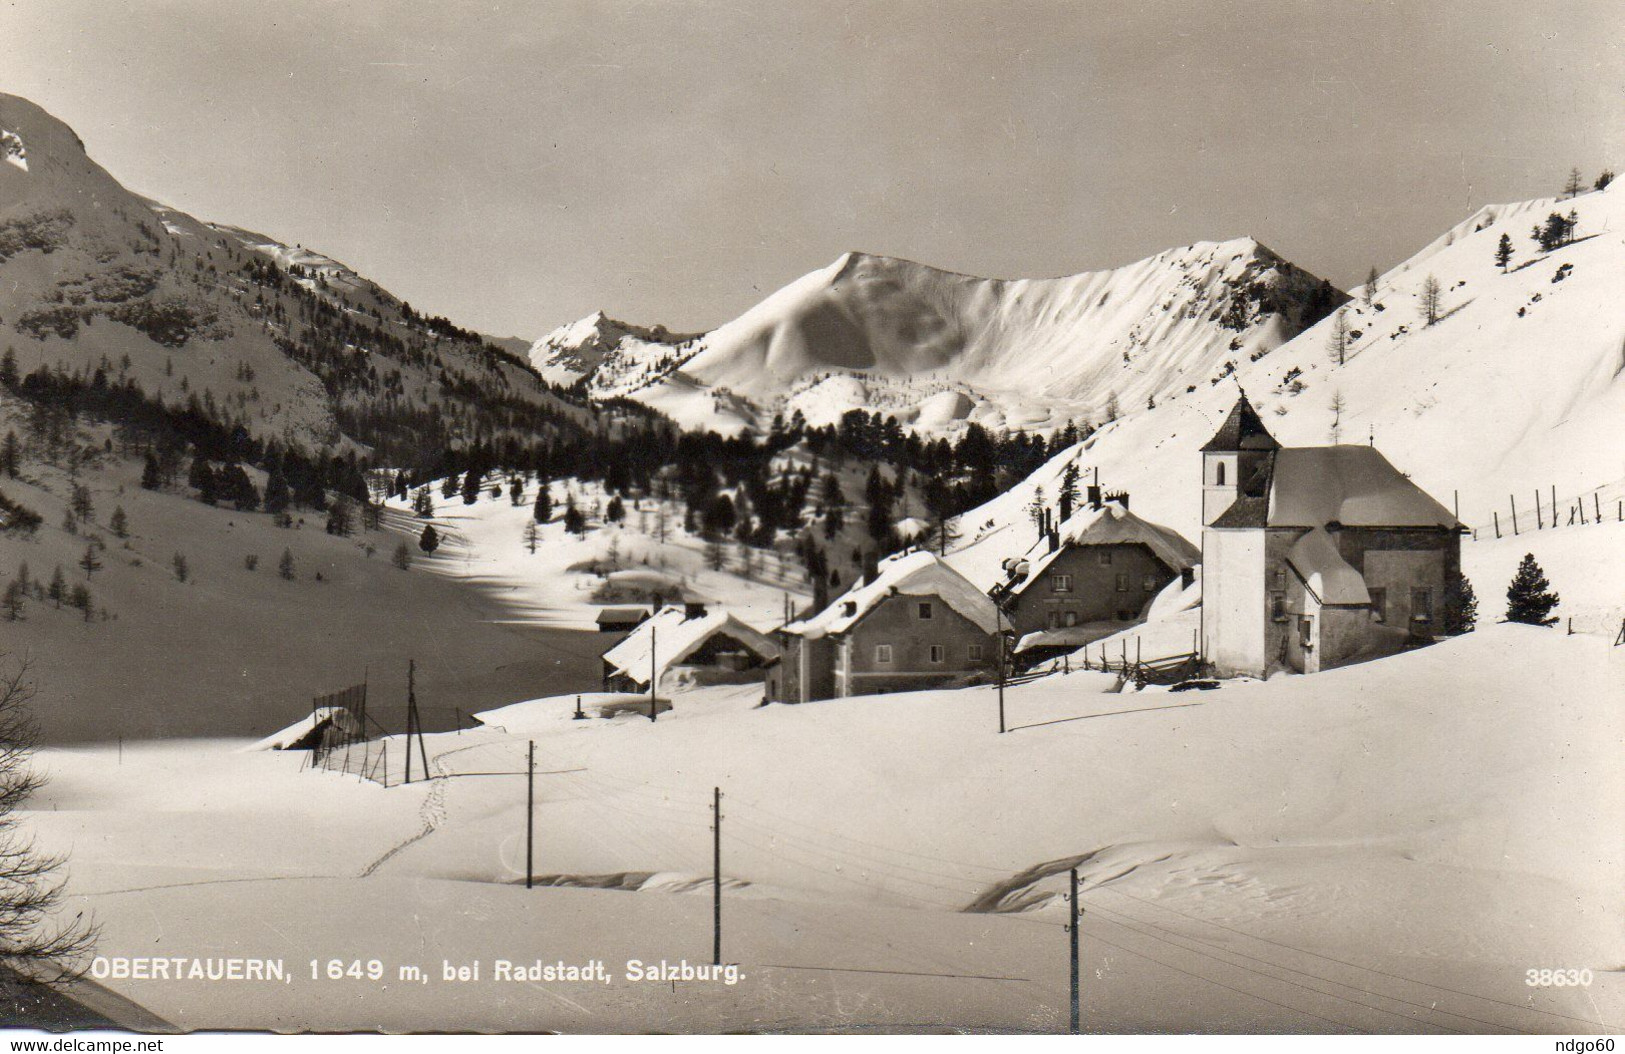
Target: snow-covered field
x,y
1386,847
567,579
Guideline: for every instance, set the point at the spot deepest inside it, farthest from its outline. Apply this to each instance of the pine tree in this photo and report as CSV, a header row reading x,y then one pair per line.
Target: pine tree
x,y
1460,612
58,590
532,536
429,540
183,570
1605,177
79,599
574,522
516,490
1069,493
1528,597
1370,290
1503,252
471,487
1339,341
422,503
12,601
284,566
402,557
1431,299
1574,184
89,561
277,495
120,523
11,455
1112,409
543,509
615,512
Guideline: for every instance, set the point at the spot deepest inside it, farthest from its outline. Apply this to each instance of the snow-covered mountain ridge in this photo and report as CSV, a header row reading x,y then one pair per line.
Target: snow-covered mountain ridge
x,y
935,348
1518,387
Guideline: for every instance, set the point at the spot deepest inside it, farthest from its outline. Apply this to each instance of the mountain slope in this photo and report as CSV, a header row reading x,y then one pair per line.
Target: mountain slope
x,y
934,348
283,341
1519,386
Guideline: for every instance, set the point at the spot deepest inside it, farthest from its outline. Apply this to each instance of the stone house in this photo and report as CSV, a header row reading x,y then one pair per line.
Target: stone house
x,y
1315,557
1099,569
916,624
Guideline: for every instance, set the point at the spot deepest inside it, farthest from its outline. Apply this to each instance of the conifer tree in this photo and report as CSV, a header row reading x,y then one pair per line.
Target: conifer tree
x,y
1529,599
423,503
429,540
284,566
1338,343
543,509
402,557
1503,252
11,455
1460,612
58,590
89,561
120,523
1431,299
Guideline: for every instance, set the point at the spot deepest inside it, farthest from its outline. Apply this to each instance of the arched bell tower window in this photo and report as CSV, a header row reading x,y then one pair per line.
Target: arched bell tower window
x,y
1218,473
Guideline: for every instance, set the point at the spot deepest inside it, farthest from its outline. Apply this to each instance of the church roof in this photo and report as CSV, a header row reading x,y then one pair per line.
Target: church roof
x,y
1242,430
1354,486
1351,486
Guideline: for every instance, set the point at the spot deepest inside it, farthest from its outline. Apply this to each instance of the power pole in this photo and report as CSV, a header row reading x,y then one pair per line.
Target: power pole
x,y
1072,933
998,624
411,713
530,815
652,677
716,877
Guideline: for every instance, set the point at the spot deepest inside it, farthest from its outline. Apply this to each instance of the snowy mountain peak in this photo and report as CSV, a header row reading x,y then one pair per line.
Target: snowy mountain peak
x,y
937,348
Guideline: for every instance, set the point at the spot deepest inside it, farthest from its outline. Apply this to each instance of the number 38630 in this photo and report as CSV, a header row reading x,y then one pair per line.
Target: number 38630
x,y
1558,978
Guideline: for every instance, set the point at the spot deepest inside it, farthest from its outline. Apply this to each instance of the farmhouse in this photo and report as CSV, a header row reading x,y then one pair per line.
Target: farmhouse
x,y
621,619
916,624
686,644
1092,575
1315,557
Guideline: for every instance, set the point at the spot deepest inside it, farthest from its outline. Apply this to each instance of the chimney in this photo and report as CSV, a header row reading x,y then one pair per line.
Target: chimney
x,y
1094,495
1121,497
1187,577
693,609
1054,540
1066,507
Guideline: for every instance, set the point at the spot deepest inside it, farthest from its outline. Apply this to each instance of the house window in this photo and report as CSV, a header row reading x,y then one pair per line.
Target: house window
x,y
1421,605
1279,577
1062,583
1122,581
1105,557
1379,605
1054,619
973,652
938,653
1306,631
1278,607
1149,583
925,609
1218,473
882,653
1071,618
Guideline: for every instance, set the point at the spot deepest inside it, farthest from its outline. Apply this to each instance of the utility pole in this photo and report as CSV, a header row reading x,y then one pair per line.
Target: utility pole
x,y
1072,934
716,877
530,815
411,713
652,677
998,624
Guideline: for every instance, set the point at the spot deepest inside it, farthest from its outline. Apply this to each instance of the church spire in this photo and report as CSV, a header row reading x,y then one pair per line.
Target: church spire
x,y
1242,430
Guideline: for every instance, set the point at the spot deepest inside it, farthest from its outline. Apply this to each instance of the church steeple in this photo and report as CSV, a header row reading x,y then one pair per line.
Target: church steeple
x,y
1242,430
1234,456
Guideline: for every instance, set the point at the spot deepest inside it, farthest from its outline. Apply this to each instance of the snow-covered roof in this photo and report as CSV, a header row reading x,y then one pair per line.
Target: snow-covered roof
x,y
920,573
1351,485
1329,577
673,637
1111,524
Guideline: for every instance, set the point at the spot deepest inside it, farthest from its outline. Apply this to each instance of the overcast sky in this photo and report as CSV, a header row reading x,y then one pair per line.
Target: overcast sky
x,y
517,165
